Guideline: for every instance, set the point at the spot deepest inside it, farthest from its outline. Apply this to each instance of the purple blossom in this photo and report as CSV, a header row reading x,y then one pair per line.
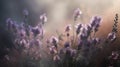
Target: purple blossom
x,y
43,18
12,25
23,43
95,20
88,27
9,23
79,26
111,36
37,42
95,23
56,58
77,13
67,44
54,41
68,28
22,33
52,50
84,33
95,40
35,30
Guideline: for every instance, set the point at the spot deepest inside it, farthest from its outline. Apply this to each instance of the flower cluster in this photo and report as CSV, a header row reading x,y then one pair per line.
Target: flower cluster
x,y
27,39
66,51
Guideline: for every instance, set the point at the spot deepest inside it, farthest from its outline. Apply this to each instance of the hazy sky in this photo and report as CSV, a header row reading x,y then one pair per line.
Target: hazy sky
x,y
60,12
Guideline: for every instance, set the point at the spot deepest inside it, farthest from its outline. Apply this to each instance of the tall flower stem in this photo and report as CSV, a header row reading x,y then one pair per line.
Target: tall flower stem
x,y
73,34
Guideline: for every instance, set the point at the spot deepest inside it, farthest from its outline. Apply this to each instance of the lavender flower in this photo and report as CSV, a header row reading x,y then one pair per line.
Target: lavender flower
x,y
111,36
114,55
84,33
79,26
67,44
52,50
56,58
9,23
37,42
77,14
43,18
95,23
54,41
22,33
68,28
95,40
35,30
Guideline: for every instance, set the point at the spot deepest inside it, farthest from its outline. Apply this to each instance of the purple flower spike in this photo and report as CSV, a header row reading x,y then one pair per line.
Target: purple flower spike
x,y
68,28
88,27
56,58
79,26
11,24
77,13
84,33
95,41
95,21
67,44
43,18
53,50
54,41
111,36
35,30
22,33
37,42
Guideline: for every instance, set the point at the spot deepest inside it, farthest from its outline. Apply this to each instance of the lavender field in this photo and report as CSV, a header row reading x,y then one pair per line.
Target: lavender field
x,y
81,41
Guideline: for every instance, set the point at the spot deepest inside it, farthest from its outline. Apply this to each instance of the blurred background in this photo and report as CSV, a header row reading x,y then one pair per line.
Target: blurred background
x,y
59,13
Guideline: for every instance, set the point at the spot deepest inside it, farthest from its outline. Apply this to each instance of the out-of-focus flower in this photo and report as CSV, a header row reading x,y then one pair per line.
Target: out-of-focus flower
x,y
95,40
111,36
78,28
52,50
88,27
56,58
22,33
37,42
67,44
35,30
95,20
68,28
84,33
12,25
9,23
25,12
54,41
114,55
43,18
95,23
77,14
